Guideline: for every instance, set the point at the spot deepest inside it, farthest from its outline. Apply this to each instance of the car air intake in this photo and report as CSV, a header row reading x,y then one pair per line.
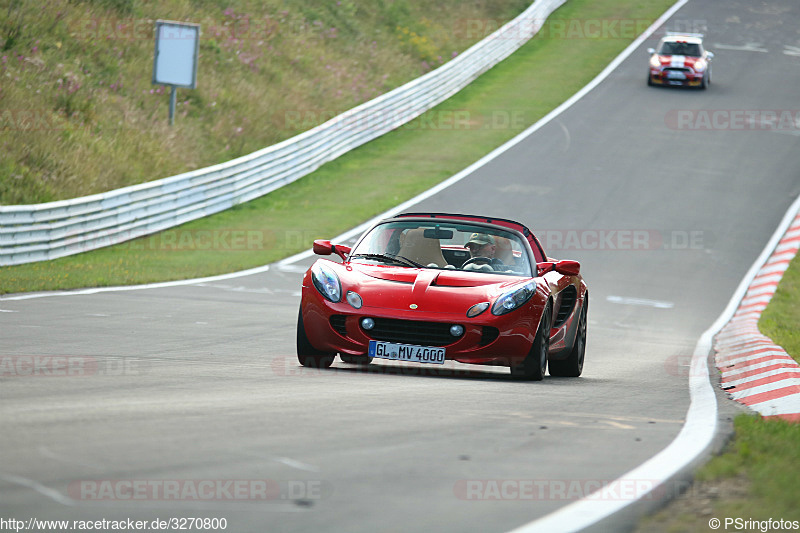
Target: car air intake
x,y
338,322
568,297
411,332
489,335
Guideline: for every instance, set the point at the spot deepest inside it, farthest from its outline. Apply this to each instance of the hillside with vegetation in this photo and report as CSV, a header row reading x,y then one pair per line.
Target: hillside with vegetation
x,y
79,114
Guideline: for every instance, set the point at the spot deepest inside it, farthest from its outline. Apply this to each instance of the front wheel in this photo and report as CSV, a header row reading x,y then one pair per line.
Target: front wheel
x,y
572,366
307,355
534,366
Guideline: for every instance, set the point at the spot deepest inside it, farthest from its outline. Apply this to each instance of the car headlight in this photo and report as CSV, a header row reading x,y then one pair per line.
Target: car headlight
x,y
514,298
655,62
326,281
700,65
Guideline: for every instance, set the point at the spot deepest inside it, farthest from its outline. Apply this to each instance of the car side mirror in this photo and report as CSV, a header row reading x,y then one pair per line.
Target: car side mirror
x,y
323,247
544,267
568,268
651,51
710,55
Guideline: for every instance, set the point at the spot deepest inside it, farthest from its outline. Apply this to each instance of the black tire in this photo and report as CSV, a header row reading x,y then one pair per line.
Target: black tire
x,y
704,82
534,366
362,360
572,366
649,81
307,355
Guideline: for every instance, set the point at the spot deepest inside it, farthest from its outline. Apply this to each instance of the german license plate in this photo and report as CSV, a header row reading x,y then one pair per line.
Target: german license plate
x,y
676,75
406,352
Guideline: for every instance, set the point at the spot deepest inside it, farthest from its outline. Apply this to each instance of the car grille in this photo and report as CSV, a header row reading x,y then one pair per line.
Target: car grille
x,y
686,72
412,332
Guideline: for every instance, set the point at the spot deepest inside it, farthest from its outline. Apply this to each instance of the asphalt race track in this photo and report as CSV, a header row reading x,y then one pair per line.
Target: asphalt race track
x,y
197,384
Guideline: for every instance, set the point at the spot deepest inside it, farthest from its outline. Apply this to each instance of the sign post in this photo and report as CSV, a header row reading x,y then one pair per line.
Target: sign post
x,y
175,58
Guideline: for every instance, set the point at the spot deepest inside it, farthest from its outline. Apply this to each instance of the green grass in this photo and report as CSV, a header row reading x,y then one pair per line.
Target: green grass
x,y
79,115
780,321
766,453
371,179
754,479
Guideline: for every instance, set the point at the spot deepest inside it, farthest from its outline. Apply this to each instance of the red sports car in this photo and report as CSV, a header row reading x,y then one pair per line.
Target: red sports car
x,y
680,60
427,287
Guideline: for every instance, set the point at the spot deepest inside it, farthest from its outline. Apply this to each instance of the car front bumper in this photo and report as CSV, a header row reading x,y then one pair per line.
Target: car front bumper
x,y
661,77
487,339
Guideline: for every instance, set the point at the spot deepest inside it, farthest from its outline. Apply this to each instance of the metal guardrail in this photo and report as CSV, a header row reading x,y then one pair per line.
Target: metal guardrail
x,y
39,232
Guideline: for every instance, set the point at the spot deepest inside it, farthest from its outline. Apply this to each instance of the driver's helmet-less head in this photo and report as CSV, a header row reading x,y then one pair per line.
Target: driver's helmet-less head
x,y
479,239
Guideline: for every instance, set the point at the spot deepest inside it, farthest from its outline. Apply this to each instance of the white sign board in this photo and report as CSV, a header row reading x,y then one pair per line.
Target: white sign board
x,y
175,60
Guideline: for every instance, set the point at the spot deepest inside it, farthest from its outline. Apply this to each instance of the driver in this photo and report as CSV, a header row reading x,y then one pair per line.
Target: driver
x,y
481,245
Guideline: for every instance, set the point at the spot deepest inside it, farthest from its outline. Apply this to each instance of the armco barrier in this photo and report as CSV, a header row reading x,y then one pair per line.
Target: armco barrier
x,y
40,232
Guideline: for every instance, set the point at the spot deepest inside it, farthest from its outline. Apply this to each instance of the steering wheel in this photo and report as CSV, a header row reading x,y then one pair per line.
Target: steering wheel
x,y
477,260
495,263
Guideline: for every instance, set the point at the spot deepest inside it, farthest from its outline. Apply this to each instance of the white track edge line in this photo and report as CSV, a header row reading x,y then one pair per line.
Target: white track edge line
x,y
122,288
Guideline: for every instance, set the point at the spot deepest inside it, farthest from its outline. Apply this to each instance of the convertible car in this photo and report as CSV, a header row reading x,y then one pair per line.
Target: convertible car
x,y
680,60
429,287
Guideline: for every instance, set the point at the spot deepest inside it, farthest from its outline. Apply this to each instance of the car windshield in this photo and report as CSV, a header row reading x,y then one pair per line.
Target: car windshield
x,y
672,48
444,245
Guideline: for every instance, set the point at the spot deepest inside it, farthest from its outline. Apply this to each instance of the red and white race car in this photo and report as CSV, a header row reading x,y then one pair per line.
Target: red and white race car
x,y
430,287
680,60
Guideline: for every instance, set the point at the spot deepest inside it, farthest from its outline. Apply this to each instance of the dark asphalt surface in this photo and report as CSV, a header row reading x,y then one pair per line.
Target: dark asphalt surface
x,y
200,382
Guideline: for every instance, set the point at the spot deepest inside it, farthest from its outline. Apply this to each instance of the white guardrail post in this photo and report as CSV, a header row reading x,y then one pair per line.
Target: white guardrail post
x,y
40,232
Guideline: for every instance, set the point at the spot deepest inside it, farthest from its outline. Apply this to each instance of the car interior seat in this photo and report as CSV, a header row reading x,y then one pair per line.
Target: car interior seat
x,y
416,247
503,250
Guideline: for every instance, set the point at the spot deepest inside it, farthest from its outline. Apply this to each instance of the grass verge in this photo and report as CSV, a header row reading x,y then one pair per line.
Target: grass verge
x,y
754,479
780,321
79,114
371,179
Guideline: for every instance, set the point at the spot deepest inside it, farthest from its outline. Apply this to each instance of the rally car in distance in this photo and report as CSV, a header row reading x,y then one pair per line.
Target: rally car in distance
x,y
680,60
430,287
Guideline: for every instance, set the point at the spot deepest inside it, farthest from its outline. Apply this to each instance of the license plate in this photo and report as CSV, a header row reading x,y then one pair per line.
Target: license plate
x,y
673,75
406,352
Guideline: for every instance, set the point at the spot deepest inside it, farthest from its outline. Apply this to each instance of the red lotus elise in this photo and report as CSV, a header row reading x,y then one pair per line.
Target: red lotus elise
x,y
428,287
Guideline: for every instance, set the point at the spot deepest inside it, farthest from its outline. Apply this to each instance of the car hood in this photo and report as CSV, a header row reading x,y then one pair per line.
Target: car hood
x,y
431,290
